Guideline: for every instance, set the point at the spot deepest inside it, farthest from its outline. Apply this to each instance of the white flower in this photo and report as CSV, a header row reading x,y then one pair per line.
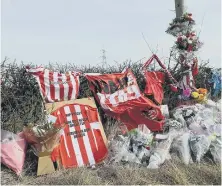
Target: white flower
x,y
189,41
183,37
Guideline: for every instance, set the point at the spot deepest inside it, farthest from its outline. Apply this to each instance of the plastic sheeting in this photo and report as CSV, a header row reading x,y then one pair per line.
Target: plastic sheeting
x,y
215,149
161,152
181,145
173,124
199,145
204,123
191,130
13,150
134,147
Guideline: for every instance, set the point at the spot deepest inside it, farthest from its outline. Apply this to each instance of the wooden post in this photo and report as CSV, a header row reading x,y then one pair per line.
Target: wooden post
x,y
179,7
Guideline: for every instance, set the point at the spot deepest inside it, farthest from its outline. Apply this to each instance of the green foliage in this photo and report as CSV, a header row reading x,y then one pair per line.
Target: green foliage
x,y
22,104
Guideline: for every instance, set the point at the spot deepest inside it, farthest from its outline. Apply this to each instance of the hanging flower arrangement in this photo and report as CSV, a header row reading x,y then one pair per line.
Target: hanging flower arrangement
x,y
181,25
188,42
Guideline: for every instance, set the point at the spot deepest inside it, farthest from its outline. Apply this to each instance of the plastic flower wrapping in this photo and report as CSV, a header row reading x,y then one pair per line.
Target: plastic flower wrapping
x,y
43,137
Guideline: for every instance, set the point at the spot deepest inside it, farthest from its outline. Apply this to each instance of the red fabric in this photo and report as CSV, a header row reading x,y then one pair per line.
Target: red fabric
x,y
150,60
81,141
120,97
154,85
155,80
195,68
173,88
134,117
55,86
55,155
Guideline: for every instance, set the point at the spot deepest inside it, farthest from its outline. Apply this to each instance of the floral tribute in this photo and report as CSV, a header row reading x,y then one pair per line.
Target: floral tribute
x,y
186,44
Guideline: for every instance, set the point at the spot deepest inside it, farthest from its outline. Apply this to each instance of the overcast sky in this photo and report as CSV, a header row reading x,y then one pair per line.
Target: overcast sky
x,y
75,31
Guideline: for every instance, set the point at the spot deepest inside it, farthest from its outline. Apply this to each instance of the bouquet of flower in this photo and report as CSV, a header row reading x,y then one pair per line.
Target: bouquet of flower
x,y
42,137
188,42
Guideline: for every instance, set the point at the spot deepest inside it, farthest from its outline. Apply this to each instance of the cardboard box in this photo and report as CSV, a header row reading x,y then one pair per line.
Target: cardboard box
x,y
45,165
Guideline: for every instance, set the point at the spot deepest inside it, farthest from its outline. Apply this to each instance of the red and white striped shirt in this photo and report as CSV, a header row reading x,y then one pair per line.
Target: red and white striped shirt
x,y
81,141
55,86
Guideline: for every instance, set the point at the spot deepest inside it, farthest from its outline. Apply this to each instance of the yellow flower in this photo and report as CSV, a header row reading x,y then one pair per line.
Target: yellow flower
x,y
201,97
195,95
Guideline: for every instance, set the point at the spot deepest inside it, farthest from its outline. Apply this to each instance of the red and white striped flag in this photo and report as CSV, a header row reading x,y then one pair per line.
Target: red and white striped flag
x,y
120,97
55,86
81,142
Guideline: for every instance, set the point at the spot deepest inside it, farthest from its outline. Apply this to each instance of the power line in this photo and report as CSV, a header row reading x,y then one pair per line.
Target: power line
x,y
103,56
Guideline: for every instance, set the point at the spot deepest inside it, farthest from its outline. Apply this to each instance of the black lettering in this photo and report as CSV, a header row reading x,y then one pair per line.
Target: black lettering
x,y
78,136
71,125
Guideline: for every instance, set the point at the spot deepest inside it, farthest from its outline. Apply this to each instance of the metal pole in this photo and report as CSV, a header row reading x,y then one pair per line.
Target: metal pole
x,y
179,7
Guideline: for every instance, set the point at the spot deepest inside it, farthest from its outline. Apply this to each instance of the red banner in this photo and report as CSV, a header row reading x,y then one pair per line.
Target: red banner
x,y
156,79
120,97
154,85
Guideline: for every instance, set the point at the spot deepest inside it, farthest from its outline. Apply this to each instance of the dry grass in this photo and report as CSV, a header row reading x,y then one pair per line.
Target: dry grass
x,y
171,173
